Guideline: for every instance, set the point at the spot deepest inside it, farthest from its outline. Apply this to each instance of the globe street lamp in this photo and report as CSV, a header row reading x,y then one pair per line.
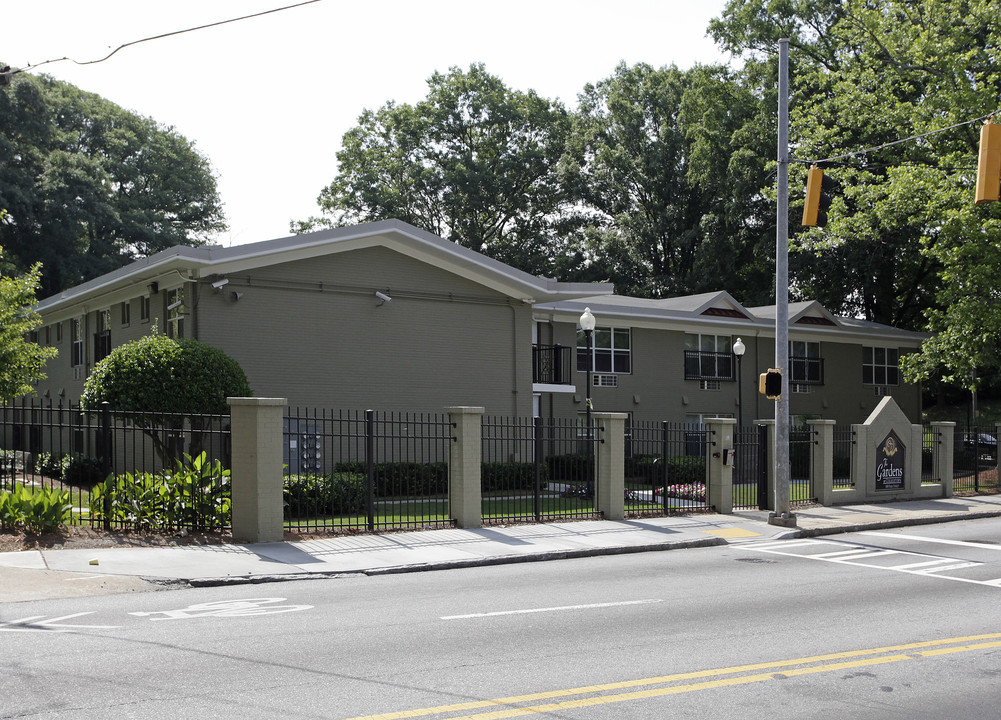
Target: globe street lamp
x,y
738,350
587,323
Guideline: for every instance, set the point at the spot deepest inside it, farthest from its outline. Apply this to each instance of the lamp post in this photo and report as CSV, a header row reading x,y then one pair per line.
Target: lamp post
x,y
738,350
587,323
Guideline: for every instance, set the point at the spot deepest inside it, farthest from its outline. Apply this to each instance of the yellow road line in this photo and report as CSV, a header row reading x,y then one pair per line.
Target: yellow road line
x,y
508,711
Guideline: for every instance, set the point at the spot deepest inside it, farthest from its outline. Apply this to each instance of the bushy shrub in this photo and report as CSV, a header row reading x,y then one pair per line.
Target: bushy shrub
x,y
82,471
52,465
501,476
195,494
403,479
317,494
38,509
568,468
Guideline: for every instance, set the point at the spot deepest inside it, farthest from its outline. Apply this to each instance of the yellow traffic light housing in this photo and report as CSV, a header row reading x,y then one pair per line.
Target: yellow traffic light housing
x,y
989,163
770,384
818,198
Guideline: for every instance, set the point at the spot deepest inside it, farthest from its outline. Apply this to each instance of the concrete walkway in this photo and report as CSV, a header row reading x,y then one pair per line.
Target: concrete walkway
x,y
204,565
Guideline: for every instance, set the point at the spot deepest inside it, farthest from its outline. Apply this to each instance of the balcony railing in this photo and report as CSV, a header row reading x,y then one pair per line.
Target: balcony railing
x,y
551,364
709,366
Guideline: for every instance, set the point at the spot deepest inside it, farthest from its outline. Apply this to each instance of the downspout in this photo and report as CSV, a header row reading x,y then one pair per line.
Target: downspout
x,y
514,358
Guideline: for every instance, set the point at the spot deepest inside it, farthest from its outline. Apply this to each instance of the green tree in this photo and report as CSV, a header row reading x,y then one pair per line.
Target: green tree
x,y
21,360
865,75
91,187
475,163
163,378
671,164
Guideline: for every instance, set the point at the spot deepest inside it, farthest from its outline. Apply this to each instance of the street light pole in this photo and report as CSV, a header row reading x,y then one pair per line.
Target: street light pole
x,y
587,323
738,350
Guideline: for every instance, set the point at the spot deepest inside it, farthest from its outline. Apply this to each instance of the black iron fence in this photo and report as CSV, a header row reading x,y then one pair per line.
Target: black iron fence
x,y
357,471
975,459
665,471
750,468
844,457
125,470
802,442
538,469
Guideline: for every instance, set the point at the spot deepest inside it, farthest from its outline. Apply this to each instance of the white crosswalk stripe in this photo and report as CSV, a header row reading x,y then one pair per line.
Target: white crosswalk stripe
x,y
860,556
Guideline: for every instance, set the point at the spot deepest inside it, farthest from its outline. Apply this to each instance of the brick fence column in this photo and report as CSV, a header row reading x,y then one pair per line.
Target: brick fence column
x,y
465,462
610,465
257,439
822,460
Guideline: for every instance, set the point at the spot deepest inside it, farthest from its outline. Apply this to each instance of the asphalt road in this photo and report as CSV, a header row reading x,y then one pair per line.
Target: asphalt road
x,y
900,623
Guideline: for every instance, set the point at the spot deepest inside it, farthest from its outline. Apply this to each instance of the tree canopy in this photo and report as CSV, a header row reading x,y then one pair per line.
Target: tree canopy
x,y
21,359
90,186
475,162
904,234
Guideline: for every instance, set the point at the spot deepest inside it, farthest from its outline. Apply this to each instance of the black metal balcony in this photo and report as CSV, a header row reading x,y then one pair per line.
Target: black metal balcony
x,y
551,364
709,366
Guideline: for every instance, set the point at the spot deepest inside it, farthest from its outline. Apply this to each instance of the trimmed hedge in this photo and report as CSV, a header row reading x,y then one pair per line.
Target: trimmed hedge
x,y
501,476
313,494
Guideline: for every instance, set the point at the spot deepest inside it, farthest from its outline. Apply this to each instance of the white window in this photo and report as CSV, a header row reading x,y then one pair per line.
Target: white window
x,y
175,313
126,313
806,365
879,366
610,351
709,357
144,309
76,330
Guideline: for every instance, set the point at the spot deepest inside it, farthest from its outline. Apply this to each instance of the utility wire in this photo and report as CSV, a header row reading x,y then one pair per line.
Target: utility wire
x,y
891,144
8,72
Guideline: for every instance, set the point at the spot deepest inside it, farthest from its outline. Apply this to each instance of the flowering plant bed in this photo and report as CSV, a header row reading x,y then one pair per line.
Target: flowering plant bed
x,y
691,491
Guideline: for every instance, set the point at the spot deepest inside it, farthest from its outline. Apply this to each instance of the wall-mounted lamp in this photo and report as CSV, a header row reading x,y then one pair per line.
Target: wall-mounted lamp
x,y
234,295
218,285
384,297
153,287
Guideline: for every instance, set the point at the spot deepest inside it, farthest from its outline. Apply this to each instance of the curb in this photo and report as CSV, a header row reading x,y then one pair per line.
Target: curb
x,y
460,564
886,524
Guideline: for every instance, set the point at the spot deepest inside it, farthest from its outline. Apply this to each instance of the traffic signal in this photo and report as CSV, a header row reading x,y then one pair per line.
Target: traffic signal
x,y
989,164
770,384
818,197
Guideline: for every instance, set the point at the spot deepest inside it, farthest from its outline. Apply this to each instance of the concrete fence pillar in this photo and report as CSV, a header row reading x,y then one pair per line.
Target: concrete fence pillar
x,y
769,503
942,455
719,463
860,460
257,438
822,460
465,463
610,469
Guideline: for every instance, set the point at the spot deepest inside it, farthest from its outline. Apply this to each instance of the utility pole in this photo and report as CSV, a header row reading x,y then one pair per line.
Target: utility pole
x,y
782,515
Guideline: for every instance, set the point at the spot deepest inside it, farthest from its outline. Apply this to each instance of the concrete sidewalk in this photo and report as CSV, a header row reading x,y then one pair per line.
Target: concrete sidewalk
x,y
201,565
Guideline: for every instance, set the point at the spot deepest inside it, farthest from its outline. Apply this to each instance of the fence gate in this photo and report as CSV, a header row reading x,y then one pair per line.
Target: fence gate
x,y
750,470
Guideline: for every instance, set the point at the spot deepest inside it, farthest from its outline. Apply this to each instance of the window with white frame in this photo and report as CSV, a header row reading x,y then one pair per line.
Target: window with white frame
x,y
709,357
76,336
102,338
879,366
611,351
144,308
126,313
806,365
175,313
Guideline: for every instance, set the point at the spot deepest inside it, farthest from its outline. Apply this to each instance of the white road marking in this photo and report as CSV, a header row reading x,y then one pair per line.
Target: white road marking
x,y
928,566
226,608
86,577
549,609
961,543
34,623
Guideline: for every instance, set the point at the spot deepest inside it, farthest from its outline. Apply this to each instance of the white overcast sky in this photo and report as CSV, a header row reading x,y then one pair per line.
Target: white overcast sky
x,y
268,99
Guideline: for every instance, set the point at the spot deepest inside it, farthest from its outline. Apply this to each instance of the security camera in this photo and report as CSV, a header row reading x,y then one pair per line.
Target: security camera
x,y
175,305
218,284
383,296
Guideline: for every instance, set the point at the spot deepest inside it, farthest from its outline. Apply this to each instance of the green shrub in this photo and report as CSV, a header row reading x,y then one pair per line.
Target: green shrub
x,y
568,468
83,472
686,470
318,494
500,476
52,465
38,509
402,479
195,494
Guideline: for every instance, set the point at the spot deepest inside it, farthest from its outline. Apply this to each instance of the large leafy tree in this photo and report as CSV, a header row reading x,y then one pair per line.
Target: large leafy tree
x,y
474,162
90,186
671,163
903,237
21,359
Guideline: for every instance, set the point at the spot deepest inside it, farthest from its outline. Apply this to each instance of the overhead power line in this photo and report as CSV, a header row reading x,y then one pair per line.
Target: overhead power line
x,y
7,72
866,151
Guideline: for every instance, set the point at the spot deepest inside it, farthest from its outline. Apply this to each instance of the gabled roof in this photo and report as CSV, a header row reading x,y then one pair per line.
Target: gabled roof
x,y
199,262
807,312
